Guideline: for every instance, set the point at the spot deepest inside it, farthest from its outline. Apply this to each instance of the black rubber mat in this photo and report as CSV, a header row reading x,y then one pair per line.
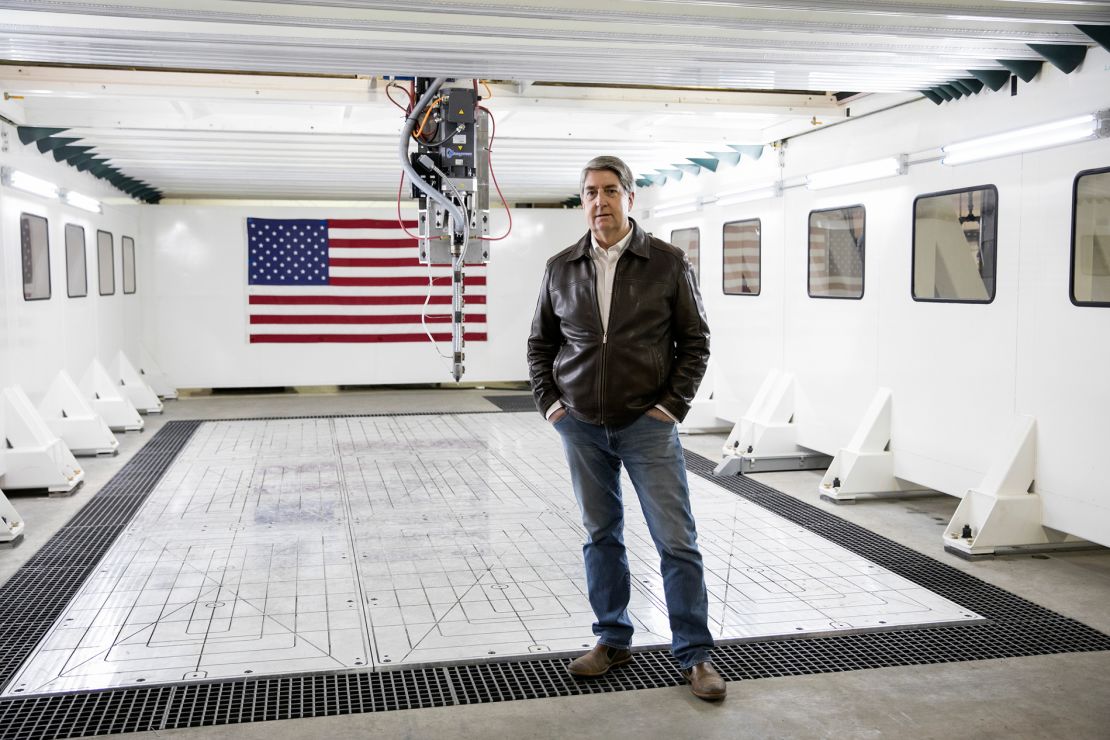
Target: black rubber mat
x,y
517,402
32,599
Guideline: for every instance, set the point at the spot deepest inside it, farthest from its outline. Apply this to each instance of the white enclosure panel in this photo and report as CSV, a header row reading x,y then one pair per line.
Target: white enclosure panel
x,y
34,349
746,333
39,338
745,343
951,366
1064,350
829,342
195,294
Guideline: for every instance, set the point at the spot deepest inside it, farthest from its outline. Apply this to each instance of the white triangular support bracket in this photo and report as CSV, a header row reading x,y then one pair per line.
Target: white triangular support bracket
x,y
69,416
154,377
34,457
141,395
105,398
865,468
765,438
1003,514
11,523
702,417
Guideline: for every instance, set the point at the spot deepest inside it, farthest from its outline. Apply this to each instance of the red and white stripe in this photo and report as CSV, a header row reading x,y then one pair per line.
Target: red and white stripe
x,y
741,258
377,293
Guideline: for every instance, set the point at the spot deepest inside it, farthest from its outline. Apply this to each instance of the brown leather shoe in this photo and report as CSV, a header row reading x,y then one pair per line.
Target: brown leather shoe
x,y
598,661
705,682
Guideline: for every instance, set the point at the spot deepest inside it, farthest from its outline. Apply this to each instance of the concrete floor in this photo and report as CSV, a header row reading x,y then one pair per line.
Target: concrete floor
x,y
1043,696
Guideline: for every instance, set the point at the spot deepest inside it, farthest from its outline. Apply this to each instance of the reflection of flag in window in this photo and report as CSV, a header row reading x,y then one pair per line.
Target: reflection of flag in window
x,y
28,261
349,280
34,257
836,253
741,257
689,241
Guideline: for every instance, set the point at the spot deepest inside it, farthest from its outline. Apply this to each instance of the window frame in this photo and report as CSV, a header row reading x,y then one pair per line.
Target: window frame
x,y
84,254
913,245
863,266
759,251
111,262
1071,258
23,276
123,240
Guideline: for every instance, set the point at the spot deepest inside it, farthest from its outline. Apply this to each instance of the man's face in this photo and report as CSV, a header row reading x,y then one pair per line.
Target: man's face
x,y
606,205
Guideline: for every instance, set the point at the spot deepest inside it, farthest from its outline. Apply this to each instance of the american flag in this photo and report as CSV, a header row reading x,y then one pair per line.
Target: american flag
x,y
350,280
741,257
836,253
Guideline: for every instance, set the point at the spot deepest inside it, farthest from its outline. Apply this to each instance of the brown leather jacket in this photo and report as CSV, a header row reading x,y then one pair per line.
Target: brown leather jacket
x,y
656,347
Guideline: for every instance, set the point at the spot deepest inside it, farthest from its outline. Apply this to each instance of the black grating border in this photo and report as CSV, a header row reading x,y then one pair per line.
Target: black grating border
x,y
32,599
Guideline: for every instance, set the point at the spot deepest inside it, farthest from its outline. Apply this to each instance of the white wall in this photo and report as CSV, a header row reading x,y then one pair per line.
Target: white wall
x,y
959,372
39,338
196,298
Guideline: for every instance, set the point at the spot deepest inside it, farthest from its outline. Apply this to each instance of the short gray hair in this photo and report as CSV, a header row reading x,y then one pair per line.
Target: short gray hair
x,y
614,165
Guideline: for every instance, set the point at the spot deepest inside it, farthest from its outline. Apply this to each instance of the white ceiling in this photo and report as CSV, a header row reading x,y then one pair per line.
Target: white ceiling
x,y
304,114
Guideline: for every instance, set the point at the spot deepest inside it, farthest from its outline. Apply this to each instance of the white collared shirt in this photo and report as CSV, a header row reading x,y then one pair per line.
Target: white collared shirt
x,y
605,266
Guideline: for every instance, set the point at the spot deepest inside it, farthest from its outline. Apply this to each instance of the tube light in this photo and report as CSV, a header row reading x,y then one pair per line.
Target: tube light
x,y
745,195
676,208
879,168
1043,136
83,202
30,183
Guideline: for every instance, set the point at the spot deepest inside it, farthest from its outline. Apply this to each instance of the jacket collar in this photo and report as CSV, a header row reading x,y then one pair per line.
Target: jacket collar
x,y
638,245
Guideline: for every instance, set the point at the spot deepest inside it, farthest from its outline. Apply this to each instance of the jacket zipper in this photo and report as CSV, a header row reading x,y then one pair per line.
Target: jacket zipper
x,y
605,336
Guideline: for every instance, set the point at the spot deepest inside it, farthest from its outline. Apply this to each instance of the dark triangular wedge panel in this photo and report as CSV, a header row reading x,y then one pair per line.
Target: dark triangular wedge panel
x,y
49,144
1064,57
31,134
959,85
1101,34
995,79
972,84
1025,69
69,152
932,96
707,163
951,90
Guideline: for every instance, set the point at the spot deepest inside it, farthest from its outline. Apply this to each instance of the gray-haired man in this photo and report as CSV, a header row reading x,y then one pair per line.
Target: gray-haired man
x,y
619,344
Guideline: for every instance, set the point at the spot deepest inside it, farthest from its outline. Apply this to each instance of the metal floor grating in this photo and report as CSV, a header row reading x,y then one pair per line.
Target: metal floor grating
x,y
36,594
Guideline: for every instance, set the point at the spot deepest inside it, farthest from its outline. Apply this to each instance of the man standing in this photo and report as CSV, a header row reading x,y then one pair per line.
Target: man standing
x,y
619,344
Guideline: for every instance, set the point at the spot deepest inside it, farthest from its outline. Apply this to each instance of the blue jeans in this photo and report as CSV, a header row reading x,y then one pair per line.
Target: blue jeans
x,y
651,452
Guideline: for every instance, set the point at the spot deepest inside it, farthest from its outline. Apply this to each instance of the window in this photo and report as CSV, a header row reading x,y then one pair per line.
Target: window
x,y
1090,238
35,252
955,245
740,257
104,255
688,240
836,253
127,245
77,279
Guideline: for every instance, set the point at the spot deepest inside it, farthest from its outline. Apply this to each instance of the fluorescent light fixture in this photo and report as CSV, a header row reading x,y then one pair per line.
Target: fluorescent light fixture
x,y
30,183
753,192
83,202
1043,136
676,208
879,168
